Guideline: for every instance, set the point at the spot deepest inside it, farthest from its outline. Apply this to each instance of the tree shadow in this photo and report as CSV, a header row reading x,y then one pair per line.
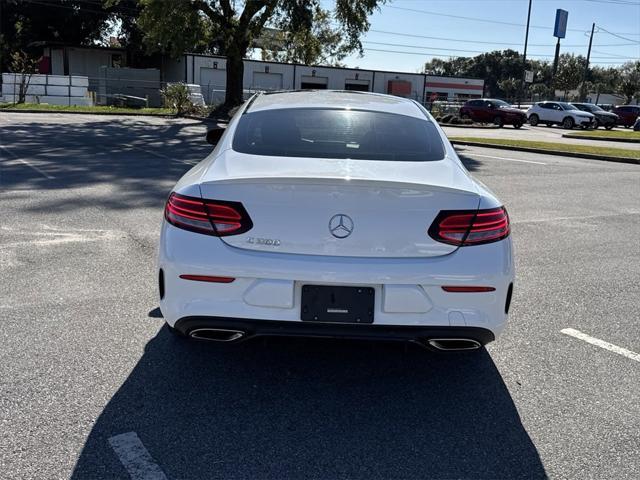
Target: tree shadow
x,y
299,408
141,159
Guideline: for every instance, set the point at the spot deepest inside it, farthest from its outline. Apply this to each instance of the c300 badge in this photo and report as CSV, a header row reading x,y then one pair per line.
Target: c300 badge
x,y
271,242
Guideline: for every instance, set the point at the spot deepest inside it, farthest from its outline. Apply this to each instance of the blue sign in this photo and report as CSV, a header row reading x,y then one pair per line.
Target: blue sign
x,y
560,28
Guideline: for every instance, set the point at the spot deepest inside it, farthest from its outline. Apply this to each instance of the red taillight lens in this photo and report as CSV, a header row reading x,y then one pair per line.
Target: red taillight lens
x,y
463,228
212,217
454,289
207,278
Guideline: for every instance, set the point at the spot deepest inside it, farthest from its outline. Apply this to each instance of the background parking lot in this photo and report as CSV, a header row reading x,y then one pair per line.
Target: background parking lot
x,y
85,358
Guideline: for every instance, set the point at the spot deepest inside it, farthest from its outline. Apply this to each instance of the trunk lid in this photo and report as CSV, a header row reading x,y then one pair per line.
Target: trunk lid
x,y
339,207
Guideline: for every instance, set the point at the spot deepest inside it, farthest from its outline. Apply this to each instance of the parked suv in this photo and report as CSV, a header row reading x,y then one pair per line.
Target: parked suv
x,y
603,118
488,110
627,114
560,113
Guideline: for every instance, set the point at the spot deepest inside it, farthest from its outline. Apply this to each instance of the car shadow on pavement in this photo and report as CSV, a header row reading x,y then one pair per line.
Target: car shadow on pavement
x,y
301,408
469,163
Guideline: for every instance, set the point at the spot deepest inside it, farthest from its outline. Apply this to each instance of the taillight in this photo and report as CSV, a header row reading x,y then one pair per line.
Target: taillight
x,y
212,217
470,227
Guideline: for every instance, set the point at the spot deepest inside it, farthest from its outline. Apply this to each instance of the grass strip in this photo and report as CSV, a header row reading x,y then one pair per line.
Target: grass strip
x,y
85,109
614,135
552,146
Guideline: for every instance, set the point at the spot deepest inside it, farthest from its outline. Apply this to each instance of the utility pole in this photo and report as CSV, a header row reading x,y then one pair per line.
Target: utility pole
x,y
583,93
524,57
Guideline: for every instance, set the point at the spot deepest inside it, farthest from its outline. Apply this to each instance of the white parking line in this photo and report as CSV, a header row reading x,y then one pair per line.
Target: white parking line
x,y
44,174
150,152
601,343
504,158
135,458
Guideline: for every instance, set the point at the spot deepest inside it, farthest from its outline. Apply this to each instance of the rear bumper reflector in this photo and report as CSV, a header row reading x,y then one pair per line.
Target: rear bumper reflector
x,y
468,289
207,278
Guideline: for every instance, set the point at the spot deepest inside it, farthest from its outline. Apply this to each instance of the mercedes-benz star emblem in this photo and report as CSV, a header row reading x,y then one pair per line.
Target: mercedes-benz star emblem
x,y
341,225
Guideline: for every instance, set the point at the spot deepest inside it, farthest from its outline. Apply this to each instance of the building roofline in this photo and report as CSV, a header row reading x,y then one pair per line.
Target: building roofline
x,y
311,66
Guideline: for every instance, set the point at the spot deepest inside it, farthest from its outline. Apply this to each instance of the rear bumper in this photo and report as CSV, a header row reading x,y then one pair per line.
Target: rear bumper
x,y
268,285
255,328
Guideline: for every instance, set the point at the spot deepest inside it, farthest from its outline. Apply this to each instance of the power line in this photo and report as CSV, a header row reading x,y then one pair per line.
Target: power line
x,y
404,45
386,32
600,28
613,55
615,2
486,20
427,54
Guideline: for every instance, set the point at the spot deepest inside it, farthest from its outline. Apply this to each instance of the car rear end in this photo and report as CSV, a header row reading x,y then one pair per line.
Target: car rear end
x,y
515,117
271,244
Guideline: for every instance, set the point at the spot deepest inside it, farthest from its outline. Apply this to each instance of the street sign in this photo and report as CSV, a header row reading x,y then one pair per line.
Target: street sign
x,y
560,27
528,76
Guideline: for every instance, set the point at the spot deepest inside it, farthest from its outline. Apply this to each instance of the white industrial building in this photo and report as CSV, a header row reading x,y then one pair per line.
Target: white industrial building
x,y
209,72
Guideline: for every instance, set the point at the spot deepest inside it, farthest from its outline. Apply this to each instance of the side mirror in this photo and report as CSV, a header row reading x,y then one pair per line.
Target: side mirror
x,y
214,135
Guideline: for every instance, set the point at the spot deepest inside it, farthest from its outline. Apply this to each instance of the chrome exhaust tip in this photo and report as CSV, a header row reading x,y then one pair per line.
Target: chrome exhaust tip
x,y
454,344
216,334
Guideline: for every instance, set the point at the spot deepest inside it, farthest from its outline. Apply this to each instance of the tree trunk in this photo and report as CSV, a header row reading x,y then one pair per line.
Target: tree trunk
x,y
235,75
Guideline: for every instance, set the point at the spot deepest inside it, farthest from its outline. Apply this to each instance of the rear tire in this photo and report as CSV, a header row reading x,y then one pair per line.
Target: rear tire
x,y
568,123
533,119
517,125
498,122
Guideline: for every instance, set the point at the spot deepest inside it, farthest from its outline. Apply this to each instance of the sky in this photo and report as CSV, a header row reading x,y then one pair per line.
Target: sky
x,y
408,21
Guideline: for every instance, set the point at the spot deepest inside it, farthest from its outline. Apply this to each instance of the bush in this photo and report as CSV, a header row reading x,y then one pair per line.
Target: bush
x,y
176,97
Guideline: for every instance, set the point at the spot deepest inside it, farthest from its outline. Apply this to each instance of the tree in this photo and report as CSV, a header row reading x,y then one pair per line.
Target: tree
x,y
630,80
569,75
322,44
509,87
540,91
24,67
25,23
230,29
454,66
494,67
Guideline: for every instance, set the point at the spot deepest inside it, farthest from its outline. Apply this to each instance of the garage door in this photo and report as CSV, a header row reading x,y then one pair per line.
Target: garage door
x,y
359,85
318,83
267,81
213,82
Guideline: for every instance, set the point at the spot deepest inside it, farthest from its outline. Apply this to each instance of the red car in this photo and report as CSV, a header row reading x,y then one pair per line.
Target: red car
x,y
628,114
498,112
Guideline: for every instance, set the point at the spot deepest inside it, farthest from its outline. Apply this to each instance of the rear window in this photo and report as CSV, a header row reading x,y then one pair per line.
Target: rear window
x,y
337,133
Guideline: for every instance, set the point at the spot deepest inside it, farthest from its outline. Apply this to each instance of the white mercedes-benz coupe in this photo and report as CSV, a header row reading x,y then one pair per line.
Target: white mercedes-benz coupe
x,y
335,214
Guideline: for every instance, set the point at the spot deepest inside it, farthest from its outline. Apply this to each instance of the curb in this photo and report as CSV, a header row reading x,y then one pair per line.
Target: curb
x,y
590,156
69,112
107,114
479,127
602,139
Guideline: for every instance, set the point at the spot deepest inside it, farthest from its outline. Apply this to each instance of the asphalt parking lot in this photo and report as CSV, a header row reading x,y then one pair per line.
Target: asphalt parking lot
x,y
93,386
